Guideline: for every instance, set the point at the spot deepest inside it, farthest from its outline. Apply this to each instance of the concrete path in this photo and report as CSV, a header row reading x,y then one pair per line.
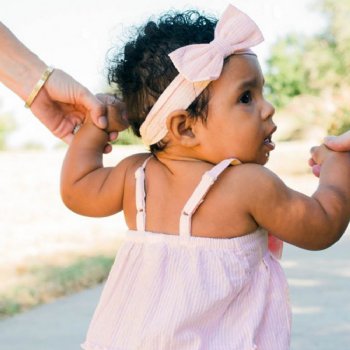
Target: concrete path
x,y
57,326
320,295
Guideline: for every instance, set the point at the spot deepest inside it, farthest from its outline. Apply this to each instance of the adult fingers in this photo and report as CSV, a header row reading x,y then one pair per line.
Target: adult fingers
x,y
68,138
338,143
94,106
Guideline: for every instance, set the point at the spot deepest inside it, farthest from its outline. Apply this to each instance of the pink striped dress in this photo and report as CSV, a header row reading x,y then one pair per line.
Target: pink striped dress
x,y
190,293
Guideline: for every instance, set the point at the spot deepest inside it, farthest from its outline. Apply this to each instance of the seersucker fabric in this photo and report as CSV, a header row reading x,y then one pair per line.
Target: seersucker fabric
x,y
179,292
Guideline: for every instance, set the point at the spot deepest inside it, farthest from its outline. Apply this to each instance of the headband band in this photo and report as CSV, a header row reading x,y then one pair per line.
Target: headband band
x,y
198,65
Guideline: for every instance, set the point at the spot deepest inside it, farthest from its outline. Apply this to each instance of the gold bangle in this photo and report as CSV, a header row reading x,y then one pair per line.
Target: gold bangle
x,y
38,86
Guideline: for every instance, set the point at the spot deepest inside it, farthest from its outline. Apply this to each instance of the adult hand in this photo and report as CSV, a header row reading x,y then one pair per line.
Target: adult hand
x,y
338,143
63,103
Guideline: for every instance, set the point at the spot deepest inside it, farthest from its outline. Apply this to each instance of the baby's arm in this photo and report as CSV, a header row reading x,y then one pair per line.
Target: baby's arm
x,y
87,187
314,222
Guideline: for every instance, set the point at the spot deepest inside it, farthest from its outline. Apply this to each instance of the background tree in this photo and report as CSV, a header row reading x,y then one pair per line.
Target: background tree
x,y
317,66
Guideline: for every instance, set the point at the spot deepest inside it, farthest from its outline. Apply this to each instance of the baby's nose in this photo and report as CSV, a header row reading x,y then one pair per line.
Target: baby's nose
x,y
268,110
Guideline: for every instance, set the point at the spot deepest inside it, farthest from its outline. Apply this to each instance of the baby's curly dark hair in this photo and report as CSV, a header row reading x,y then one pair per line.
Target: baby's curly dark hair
x,y
142,69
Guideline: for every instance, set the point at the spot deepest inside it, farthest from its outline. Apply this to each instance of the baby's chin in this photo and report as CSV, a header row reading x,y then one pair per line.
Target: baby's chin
x,y
266,159
262,161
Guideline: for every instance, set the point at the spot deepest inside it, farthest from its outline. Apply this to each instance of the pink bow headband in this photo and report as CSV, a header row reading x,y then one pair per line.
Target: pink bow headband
x,y
198,65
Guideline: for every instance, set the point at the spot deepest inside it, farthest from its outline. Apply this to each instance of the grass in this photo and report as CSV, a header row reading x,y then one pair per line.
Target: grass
x,y
40,284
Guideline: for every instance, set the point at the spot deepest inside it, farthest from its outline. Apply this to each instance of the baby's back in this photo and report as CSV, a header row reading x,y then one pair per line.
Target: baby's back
x,y
168,186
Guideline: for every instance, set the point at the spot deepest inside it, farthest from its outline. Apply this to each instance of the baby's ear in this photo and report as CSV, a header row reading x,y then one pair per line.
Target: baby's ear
x,y
180,128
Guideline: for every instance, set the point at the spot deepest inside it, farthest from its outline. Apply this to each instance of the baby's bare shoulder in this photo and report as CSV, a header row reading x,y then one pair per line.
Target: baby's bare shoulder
x,y
250,172
133,161
251,180
127,166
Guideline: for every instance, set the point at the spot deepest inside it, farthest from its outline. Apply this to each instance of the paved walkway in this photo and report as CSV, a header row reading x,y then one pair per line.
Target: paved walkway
x,y
320,294
57,326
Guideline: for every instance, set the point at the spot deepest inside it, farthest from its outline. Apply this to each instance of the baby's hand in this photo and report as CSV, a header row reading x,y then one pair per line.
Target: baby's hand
x,y
318,155
116,114
116,118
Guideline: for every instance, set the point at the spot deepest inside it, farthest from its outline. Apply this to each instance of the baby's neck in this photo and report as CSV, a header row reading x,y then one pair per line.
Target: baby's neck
x,y
169,154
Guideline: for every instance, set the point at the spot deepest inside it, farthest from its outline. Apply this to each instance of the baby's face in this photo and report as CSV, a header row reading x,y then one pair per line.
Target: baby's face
x,y
239,120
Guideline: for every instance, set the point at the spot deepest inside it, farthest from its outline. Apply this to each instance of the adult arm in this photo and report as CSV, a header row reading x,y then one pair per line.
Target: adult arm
x,y
62,103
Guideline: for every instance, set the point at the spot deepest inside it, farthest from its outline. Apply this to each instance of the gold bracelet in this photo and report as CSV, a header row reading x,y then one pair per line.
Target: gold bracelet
x,y
38,86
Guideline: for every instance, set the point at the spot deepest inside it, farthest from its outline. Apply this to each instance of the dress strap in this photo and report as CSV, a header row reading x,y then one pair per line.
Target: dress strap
x,y
197,197
141,196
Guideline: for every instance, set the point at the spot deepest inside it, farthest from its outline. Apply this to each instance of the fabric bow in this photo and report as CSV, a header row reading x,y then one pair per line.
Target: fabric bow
x,y
234,32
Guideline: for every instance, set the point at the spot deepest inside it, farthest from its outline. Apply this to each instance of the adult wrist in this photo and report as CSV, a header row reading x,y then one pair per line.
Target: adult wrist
x,y
22,74
38,86
20,68
30,75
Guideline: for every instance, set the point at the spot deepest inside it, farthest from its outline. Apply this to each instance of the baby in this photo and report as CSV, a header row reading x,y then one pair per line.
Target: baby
x,y
195,271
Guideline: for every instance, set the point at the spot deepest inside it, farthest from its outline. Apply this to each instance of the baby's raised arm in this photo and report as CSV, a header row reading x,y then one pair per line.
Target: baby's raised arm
x,y
314,222
87,187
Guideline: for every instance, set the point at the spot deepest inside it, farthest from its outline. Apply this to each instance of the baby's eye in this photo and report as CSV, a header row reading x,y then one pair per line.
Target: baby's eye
x,y
246,97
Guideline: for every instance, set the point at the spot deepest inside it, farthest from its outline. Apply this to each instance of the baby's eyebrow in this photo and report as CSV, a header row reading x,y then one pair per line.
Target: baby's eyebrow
x,y
250,83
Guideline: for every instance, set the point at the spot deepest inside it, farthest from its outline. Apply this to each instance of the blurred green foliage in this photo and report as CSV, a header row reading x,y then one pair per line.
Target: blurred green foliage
x,y
315,66
340,121
286,77
308,65
127,137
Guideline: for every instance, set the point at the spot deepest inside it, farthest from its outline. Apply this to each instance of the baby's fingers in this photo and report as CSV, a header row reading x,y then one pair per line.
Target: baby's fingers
x,y
117,117
107,149
316,170
113,135
319,154
116,112
311,162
